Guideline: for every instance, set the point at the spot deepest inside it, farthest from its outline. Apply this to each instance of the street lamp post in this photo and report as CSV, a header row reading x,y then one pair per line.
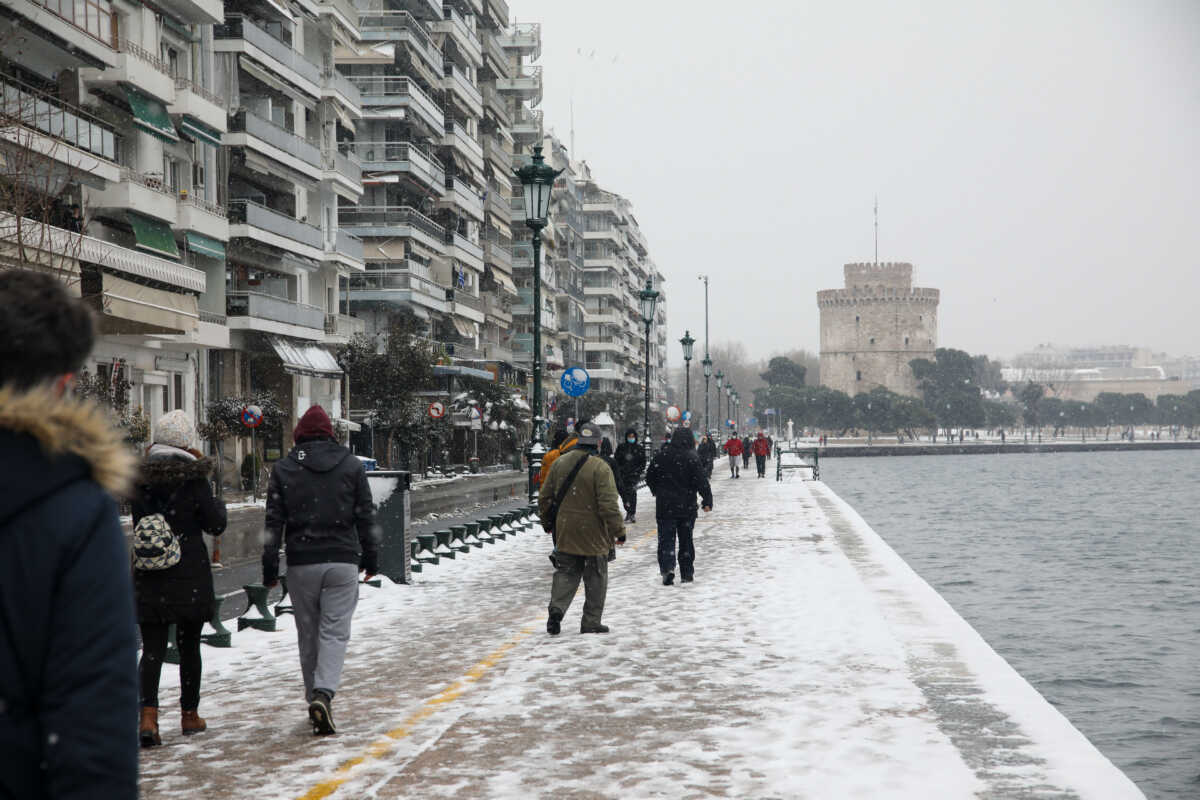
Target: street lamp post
x,y
720,388
687,341
648,297
537,180
707,364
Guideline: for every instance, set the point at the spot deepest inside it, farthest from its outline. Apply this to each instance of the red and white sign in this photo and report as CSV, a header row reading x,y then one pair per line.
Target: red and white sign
x,y
437,409
673,414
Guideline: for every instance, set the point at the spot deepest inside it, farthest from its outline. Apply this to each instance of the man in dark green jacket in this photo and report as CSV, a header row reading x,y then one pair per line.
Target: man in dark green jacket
x,y
586,528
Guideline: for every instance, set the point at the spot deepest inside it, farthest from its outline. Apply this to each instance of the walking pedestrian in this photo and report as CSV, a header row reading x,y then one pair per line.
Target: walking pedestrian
x,y
586,523
320,503
631,463
174,482
734,448
675,477
564,442
746,445
707,451
762,448
68,686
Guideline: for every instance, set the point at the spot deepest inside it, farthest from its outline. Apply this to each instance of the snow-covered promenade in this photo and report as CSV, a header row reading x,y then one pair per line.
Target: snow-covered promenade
x,y
807,660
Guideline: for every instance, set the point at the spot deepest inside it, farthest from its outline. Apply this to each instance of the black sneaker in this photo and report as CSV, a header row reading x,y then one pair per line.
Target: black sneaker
x,y
554,622
593,629
668,578
320,713
686,579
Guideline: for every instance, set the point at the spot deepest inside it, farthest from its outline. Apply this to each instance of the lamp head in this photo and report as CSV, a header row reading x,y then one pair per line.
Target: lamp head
x,y
537,179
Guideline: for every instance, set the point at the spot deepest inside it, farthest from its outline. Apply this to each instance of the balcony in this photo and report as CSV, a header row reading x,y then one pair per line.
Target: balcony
x,y
340,328
239,35
210,219
341,10
525,86
243,307
384,220
254,220
464,250
398,286
525,38
399,157
500,154
58,131
495,102
336,86
466,305
138,67
458,83
380,91
461,32
527,126
496,253
464,197
247,129
401,27
498,352
84,26
345,249
199,103
144,194
462,141
345,170
464,351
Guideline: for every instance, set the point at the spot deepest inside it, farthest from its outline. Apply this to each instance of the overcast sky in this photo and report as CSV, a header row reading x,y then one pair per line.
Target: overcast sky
x,y
1039,162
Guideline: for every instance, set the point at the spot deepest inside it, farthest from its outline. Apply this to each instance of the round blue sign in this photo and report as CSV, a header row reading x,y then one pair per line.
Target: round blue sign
x,y
575,381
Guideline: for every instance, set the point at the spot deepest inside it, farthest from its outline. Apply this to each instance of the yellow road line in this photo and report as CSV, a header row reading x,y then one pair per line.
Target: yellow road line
x,y
384,746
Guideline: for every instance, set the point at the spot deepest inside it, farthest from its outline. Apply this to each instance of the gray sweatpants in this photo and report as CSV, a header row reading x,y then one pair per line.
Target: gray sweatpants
x,y
324,597
569,570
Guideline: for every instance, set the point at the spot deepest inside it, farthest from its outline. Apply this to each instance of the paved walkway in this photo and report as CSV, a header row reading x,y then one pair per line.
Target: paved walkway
x,y
806,661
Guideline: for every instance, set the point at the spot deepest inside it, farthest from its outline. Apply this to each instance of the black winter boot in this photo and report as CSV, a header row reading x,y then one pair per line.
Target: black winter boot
x,y
593,629
320,713
554,622
668,578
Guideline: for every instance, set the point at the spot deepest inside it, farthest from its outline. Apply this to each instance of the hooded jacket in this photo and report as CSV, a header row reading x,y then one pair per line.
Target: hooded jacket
x,y
630,458
549,459
733,447
320,504
589,520
675,477
68,670
175,483
707,451
760,446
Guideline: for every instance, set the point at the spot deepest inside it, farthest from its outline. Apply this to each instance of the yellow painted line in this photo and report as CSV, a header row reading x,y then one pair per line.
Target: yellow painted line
x,y
385,745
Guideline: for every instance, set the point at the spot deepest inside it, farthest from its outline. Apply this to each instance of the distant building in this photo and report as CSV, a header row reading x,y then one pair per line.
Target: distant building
x,y
1082,373
873,328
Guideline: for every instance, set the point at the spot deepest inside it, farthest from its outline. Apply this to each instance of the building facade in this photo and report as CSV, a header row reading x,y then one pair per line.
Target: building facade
x,y
873,327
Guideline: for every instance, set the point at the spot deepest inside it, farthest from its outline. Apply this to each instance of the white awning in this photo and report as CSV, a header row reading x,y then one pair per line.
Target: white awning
x,y
464,327
506,283
305,358
384,112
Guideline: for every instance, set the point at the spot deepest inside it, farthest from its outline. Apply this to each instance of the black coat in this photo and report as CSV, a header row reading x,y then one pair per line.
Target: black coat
x,y
175,485
631,461
68,645
320,504
675,478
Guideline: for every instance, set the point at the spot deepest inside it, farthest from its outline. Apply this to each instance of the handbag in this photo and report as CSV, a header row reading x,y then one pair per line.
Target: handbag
x,y
155,546
548,522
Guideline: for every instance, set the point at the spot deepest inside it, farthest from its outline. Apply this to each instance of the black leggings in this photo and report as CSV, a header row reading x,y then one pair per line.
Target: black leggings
x,y
154,647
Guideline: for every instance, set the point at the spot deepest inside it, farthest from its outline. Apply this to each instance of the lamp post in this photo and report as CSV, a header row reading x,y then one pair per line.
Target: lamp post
x,y
707,364
720,388
537,180
687,341
648,297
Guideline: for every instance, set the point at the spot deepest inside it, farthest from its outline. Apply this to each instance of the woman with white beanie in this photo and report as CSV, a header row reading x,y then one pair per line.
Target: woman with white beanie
x,y
174,482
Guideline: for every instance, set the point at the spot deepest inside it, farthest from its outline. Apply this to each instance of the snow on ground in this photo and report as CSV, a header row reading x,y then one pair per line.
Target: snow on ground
x,y
806,661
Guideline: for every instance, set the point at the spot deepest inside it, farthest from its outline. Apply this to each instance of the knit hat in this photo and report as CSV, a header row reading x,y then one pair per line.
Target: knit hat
x,y
314,424
174,429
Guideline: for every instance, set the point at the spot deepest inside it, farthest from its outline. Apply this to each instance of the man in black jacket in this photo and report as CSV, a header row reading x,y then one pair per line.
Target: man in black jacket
x,y
675,478
631,460
320,504
68,672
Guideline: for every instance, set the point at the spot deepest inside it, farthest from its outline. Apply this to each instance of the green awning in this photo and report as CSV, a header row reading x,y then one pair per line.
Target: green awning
x,y
153,235
204,245
150,115
195,129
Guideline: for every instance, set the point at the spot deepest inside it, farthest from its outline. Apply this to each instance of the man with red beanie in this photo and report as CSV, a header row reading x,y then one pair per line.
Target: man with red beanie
x,y
320,506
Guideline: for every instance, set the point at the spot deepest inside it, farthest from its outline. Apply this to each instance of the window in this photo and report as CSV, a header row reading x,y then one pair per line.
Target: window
x,y
906,341
178,391
166,405
856,320
858,375
872,340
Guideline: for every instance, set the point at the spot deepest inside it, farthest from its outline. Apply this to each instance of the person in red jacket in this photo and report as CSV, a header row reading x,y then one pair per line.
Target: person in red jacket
x,y
761,449
734,448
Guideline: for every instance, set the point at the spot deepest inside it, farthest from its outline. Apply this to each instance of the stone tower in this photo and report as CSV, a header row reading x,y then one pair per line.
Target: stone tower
x,y
874,327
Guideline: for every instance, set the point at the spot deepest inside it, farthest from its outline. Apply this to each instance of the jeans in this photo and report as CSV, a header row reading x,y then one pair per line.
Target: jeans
x,y
569,569
670,529
154,648
324,597
761,463
629,495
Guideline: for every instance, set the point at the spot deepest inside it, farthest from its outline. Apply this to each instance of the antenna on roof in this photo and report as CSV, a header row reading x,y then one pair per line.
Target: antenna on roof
x,y
877,230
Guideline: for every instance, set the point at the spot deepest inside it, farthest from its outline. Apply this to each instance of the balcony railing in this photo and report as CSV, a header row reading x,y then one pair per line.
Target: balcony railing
x,y
56,119
498,253
465,298
154,182
215,209
463,243
349,245
385,89
463,83
343,325
190,86
397,280
463,138
143,55
277,136
239,28
345,6
467,32
463,350
93,17
344,162
212,317
395,22
429,168
335,80
268,219
275,309
389,217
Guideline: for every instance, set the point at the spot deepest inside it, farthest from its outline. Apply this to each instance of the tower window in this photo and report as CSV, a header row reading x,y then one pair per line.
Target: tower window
x,y
856,320
872,340
858,375
905,340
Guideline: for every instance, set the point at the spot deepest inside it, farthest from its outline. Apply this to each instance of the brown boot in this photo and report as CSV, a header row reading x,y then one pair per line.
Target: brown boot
x,y
148,727
192,722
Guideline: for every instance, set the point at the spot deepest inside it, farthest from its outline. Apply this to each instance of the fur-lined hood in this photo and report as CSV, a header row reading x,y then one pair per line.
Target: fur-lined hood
x,y
71,426
159,471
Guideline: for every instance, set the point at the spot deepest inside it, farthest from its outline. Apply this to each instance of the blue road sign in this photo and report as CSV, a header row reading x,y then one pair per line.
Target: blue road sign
x,y
575,381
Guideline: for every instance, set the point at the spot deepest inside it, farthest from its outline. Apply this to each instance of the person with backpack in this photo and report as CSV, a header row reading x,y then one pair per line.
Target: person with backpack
x,y
675,477
578,505
707,452
747,445
68,633
762,449
734,448
319,502
631,463
172,509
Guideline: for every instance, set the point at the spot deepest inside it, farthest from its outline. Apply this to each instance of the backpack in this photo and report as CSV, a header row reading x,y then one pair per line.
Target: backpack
x,y
155,545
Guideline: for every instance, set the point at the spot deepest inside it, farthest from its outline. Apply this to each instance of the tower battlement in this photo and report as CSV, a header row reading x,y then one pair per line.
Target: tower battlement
x,y
892,273
877,294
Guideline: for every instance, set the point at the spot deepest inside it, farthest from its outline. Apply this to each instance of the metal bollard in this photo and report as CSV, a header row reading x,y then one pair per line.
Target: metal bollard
x,y
414,547
458,538
280,608
256,597
473,534
443,548
428,542
221,636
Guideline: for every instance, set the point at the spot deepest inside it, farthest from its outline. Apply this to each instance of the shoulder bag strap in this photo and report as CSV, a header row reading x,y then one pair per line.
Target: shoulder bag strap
x,y
562,492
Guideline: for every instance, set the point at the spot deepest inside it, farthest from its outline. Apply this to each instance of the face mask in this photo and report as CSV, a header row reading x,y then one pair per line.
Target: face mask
x,y
631,440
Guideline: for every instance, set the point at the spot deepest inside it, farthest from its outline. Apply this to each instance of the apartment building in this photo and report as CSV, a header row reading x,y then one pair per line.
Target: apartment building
x,y
110,131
